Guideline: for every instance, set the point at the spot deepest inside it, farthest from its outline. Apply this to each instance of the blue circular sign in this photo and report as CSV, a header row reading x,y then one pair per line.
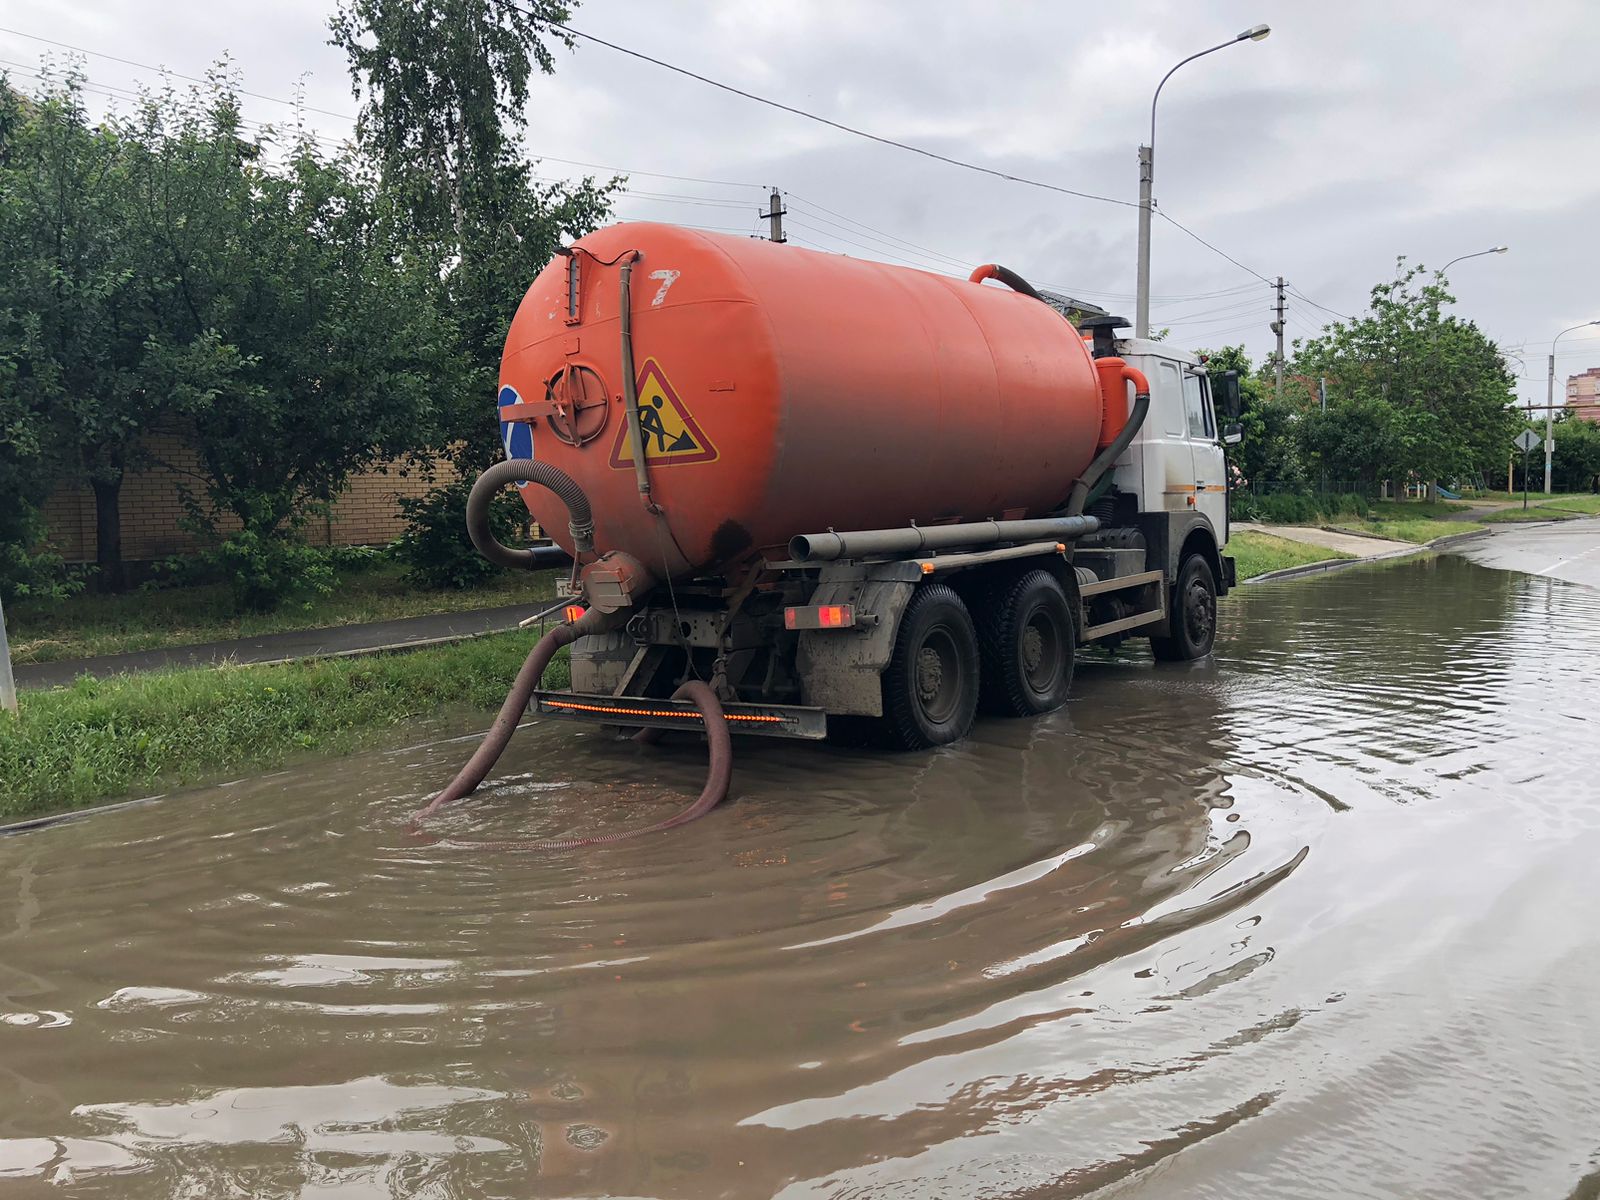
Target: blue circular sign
x,y
515,436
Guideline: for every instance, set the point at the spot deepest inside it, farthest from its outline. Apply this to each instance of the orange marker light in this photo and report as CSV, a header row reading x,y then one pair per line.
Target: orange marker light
x,y
573,613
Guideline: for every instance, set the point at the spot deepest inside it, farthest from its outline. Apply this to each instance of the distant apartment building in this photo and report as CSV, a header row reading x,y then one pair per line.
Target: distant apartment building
x,y
1583,395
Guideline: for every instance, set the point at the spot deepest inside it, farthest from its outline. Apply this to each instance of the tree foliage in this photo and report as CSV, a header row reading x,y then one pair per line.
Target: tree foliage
x,y
1268,449
1415,393
165,277
443,86
75,307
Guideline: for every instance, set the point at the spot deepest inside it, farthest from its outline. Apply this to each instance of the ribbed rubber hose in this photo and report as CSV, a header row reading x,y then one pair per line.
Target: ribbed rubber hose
x,y
511,711
719,774
580,521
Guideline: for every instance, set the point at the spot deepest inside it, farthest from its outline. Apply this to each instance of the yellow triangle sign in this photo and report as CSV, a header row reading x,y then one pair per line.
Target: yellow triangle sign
x,y
670,433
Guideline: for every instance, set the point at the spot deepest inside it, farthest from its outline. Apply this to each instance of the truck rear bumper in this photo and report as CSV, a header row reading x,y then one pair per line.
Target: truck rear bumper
x,y
767,720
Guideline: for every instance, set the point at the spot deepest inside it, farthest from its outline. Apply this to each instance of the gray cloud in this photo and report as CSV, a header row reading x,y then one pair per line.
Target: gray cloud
x,y
1357,132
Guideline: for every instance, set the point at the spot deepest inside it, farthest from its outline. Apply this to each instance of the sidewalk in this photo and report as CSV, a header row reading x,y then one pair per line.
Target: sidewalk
x,y
407,633
1346,543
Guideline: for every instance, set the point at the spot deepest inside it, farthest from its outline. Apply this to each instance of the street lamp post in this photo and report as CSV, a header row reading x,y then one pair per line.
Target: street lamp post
x,y
1475,254
1147,174
1550,404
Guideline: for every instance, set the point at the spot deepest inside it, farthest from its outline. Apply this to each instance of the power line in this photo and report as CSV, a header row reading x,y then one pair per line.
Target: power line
x,y
128,62
821,120
805,203
923,266
1215,249
1301,295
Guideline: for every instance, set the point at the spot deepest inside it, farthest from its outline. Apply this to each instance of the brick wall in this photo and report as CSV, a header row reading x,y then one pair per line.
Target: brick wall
x,y
367,512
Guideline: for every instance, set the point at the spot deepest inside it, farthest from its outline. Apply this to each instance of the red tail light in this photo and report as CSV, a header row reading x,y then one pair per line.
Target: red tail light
x,y
573,613
820,616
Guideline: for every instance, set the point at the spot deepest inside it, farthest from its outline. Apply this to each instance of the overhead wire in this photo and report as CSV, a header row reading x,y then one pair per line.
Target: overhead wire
x,y
568,30
821,120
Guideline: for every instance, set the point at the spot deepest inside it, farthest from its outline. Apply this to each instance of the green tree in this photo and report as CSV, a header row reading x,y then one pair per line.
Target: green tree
x,y
1436,391
1575,465
1268,449
443,85
74,317
300,342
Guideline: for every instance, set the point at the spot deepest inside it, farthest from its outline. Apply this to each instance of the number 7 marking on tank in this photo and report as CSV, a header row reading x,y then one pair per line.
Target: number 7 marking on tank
x,y
671,435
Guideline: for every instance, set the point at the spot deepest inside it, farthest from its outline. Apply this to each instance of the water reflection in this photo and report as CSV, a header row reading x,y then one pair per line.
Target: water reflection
x,y
1284,923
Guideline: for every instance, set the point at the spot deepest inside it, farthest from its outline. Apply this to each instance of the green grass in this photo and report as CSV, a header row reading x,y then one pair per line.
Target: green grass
x,y
1410,529
1557,508
141,733
91,624
1257,553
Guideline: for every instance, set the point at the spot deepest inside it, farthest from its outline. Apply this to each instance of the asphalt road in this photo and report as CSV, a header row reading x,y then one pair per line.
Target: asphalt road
x,y
1567,550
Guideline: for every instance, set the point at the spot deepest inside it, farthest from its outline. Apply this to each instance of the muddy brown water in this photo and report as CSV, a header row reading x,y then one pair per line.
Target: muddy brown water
x,y
1317,918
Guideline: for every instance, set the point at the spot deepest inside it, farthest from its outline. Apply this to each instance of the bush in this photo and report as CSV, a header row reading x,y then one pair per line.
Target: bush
x,y
263,571
28,571
435,545
1299,508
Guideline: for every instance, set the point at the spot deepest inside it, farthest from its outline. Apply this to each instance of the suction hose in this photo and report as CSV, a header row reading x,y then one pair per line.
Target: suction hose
x,y
1102,461
580,521
718,775
516,703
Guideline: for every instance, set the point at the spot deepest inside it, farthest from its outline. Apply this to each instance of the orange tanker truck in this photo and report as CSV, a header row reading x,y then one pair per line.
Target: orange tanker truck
x,y
796,493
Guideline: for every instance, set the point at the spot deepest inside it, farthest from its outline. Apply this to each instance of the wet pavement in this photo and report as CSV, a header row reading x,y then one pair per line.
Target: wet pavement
x,y
1316,918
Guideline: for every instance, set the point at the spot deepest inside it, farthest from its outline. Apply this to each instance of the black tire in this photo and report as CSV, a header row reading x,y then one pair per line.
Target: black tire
x,y
1025,642
1194,614
930,688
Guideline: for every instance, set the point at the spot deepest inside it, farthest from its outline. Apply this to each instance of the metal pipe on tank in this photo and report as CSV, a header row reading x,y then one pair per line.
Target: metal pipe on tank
x,y
630,380
870,543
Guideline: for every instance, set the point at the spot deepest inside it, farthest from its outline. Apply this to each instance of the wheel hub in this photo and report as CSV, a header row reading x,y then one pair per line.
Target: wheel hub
x,y
930,674
1199,612
1032,649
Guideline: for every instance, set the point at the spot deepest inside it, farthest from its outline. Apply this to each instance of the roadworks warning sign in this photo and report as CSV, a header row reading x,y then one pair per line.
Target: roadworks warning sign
x,y
671,436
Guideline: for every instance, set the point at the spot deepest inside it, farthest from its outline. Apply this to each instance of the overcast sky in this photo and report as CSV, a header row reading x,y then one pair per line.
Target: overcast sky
x,y
1357,132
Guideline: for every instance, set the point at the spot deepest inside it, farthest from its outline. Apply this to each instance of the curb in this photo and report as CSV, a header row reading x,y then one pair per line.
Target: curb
x,y
1339,564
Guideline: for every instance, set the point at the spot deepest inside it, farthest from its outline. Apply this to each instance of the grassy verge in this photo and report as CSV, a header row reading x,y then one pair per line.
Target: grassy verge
x,y
1257,553
1409,529
143,620
1557,508
140,733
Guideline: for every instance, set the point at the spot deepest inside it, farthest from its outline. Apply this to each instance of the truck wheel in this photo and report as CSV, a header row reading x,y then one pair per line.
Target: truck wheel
x,y
1194,614
930,688
1025,638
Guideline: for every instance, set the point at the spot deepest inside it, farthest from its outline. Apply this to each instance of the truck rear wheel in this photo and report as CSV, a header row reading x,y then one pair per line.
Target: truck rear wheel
x,y
930,688
1194,614
1025,638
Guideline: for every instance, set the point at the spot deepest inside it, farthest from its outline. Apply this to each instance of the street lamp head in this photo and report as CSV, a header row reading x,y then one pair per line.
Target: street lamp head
x,y
1499,249
1254,34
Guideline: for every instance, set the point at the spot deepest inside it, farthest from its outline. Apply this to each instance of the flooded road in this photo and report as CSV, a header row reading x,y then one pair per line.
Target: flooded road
x,y
1318,918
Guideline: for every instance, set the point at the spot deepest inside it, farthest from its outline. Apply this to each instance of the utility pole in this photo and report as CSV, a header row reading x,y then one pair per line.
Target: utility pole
x,y
1549,425
774,216
1550,404
1277,328
1147,175
8,683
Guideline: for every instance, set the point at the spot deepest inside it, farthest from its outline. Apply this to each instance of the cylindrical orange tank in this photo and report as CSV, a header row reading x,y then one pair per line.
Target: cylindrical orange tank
x,y
785,391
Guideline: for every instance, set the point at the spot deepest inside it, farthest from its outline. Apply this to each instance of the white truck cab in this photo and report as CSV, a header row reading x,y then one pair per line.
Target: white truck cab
x,y
1176,464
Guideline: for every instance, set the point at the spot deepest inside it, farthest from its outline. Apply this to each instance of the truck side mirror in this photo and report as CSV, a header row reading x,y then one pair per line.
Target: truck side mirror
x,y
1225,388
1233,434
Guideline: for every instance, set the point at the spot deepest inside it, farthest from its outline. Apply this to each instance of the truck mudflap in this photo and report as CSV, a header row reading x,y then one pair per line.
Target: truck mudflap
x,y
766,720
